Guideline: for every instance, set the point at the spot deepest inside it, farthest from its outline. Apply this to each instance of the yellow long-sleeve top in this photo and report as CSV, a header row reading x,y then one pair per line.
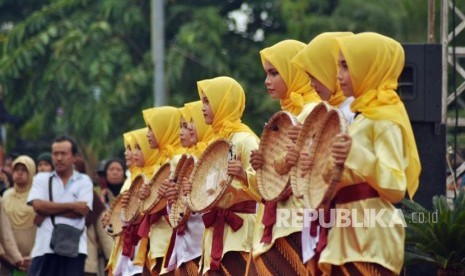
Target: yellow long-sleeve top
x,y
378,157
292,203
160,231
118,241
159,237
240,240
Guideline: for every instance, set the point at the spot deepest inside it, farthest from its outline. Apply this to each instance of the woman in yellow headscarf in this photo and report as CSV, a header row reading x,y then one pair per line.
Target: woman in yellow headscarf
x,y
134,248
163,133
163,137
287,83
291,85
201,132
380,160
223,105
185,246
129,142
20,214
319,60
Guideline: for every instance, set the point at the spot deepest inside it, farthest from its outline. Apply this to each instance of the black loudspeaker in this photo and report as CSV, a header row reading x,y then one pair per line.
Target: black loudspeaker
x,y
431,144
420,83
420,87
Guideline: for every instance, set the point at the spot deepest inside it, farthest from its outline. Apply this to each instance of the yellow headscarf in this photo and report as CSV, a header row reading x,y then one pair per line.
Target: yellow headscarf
x,y
192,112
20,214
164,122
299,90
319,59
128,140
375,63
150,155
227,100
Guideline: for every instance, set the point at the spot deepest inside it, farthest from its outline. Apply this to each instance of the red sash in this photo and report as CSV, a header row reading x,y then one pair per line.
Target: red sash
x,y
217,219
148,220
355,192
269,216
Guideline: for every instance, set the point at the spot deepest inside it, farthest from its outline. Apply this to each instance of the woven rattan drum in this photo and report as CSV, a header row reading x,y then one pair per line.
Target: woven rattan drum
x,y
132,210
311,126
180,211
273,176
153,200
319,189
209,178
115,225
180,164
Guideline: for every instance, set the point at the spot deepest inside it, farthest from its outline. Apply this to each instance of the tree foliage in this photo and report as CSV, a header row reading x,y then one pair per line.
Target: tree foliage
x,y
85,68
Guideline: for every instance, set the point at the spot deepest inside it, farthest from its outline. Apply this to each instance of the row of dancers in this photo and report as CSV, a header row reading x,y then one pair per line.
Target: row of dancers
x,y
355,73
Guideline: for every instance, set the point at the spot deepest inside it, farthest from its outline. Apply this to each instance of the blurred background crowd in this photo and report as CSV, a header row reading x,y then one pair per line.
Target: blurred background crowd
x,y
17,219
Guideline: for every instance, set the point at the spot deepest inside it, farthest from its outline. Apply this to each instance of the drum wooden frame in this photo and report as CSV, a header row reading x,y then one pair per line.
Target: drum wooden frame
x,y
273,177
180,211
133,209
311,128
115,224
154,200
179,167
214,160
324,176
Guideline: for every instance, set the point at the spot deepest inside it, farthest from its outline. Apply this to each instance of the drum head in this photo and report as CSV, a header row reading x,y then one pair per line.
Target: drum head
x,y
322,180
273,176
180,212
132,211
311,128
209,178
115,225
157,180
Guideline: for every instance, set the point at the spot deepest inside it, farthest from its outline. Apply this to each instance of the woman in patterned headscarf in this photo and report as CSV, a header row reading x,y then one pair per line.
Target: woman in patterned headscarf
x,y
226,250
21,215
379,156
291,85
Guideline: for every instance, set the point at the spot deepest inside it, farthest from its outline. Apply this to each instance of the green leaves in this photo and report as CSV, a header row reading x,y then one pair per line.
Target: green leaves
x,y
66,60
92,60
438,239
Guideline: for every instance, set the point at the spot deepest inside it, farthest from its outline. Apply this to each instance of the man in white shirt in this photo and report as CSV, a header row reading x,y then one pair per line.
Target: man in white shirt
x,y
72,200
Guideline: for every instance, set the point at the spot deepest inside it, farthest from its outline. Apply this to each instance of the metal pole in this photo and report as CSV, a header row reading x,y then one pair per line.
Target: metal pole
x,y
445,56
158,52
431,20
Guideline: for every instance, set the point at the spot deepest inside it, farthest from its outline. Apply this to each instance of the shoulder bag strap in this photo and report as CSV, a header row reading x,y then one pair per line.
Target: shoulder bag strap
x,y
50,196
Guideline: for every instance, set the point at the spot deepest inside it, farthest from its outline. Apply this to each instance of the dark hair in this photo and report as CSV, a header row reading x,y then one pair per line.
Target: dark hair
x,y
80,164
101,167
45,156
63,138
111,161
